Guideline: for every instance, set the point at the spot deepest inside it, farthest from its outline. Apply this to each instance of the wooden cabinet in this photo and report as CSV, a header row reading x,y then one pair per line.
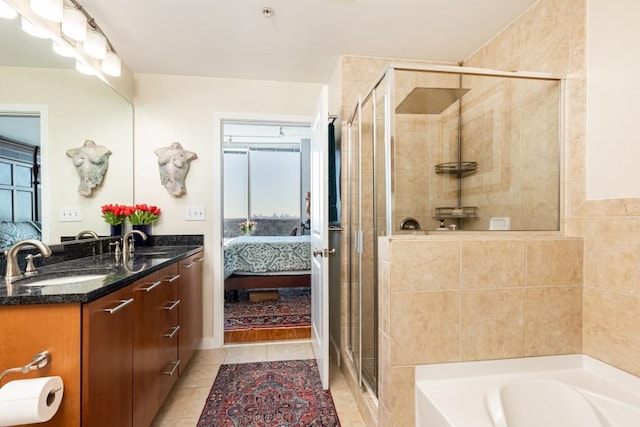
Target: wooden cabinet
x,y
120,355
107,367
148,296
26,330
190,294
155,342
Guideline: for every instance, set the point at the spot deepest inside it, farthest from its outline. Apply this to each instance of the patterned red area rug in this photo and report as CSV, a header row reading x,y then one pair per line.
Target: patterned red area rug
x,y
269,394
291,309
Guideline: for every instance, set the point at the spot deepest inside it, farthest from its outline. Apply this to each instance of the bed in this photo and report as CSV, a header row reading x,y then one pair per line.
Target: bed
x,y
258,262
12,232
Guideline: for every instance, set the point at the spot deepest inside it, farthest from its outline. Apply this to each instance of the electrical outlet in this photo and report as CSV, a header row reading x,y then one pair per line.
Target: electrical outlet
x,y
70,214
195,213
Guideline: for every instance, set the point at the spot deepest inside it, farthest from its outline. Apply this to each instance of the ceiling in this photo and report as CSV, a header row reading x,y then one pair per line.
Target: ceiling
x,y
301,41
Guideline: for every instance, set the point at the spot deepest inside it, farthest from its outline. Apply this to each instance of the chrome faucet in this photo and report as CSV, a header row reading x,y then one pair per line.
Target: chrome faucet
x,y
87,232
11,254
128,242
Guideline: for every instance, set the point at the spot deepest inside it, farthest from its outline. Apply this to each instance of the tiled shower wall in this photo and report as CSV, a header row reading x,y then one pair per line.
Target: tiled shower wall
x,y
457,297
510,127
549,37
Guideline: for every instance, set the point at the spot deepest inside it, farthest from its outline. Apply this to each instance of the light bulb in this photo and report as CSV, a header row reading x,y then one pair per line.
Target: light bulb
x,y
95,45
48,9
31,29
84,68
7,11
74,24
111,64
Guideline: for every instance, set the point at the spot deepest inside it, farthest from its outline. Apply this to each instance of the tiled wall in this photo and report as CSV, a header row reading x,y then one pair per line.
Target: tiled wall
x,y
510,127
459,297
549,37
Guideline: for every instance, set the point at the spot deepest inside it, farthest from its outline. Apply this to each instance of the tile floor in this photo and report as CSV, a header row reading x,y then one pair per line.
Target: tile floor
x,y
183,406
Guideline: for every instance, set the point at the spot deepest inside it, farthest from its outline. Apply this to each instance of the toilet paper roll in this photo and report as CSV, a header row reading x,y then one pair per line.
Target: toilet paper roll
x,y
35,400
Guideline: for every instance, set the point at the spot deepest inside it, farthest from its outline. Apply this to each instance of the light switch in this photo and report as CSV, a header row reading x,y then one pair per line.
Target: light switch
x,y
195,213
70,214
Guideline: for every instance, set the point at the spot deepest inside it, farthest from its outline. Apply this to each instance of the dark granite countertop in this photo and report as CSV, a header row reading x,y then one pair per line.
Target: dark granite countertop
x,y
118,275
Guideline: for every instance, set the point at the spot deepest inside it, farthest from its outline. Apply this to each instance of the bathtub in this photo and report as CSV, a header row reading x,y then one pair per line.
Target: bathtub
x,y
548,391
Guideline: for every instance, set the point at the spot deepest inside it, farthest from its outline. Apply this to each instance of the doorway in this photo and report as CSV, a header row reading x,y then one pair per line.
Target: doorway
x,y
266,177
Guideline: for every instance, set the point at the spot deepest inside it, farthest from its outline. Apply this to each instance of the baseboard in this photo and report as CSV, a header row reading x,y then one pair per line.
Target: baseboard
x,y
207,343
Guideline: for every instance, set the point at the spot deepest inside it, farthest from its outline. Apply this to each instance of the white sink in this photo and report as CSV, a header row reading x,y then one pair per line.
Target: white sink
x,y
63,280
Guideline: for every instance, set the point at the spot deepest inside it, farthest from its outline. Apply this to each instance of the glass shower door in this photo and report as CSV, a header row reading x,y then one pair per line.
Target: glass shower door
x,y
354,239
368,264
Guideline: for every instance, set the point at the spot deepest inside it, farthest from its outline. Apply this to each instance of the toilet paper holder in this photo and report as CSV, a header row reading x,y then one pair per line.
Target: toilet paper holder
x,y
40,360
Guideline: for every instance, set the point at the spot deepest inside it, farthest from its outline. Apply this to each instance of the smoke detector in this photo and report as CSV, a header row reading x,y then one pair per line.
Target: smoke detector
x,y
267,12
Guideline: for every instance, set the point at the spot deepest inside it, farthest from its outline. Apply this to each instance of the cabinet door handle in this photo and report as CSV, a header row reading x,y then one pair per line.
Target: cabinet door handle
x,y
173,279
123,304
172,306
191,264
153,285
173,331
199,259
173,369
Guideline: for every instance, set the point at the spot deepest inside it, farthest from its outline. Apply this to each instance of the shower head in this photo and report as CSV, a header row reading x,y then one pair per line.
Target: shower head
x,y
429,100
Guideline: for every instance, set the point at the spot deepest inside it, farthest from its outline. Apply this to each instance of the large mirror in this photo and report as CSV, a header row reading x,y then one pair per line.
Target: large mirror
x,y
68,108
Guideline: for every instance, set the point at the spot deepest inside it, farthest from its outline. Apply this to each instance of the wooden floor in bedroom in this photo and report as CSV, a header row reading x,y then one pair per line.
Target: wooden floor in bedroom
x,y
267,334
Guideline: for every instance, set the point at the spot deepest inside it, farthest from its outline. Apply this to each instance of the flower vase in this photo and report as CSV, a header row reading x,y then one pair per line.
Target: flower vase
x,y
146,229
116,230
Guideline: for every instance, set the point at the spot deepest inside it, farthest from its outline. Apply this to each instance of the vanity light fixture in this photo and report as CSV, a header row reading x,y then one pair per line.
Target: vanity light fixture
x,y
74,24
48,9
111,64
31,29
83,27
95,45
7,11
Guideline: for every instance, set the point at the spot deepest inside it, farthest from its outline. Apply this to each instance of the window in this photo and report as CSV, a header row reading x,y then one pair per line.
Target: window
x,y
262,178
19,194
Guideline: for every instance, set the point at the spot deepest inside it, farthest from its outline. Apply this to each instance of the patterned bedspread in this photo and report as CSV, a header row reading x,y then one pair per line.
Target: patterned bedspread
x,y
262,254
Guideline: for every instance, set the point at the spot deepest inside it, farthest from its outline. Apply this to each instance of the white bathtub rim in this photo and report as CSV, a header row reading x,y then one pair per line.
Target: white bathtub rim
x,y
448,371
624,387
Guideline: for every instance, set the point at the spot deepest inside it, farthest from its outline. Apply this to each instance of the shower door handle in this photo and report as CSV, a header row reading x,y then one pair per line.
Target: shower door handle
x,y
324,252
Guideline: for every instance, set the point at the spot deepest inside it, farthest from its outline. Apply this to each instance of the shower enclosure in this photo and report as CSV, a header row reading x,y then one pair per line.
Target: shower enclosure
x,y
441,149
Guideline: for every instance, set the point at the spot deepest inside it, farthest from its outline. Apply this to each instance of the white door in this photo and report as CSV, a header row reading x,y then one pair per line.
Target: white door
x,y
320,236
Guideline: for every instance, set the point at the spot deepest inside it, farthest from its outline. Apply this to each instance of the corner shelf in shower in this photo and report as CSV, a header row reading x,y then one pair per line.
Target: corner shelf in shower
x,y
457,168
463,212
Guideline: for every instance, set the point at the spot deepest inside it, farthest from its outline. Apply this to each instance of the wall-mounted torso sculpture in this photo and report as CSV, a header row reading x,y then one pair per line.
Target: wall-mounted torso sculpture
x,y
174,166
91,162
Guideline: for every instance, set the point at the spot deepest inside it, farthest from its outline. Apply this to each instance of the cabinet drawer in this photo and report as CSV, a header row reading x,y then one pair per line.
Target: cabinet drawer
x,y
168,350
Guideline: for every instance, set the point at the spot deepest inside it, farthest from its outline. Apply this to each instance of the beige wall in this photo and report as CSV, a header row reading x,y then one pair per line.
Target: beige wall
x,y
493,299
79,108
510,127
496,298
612,61
187,109
551,37
457,297
611,228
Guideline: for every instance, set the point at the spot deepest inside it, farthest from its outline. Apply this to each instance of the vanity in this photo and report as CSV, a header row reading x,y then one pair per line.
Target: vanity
x,y
119,333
